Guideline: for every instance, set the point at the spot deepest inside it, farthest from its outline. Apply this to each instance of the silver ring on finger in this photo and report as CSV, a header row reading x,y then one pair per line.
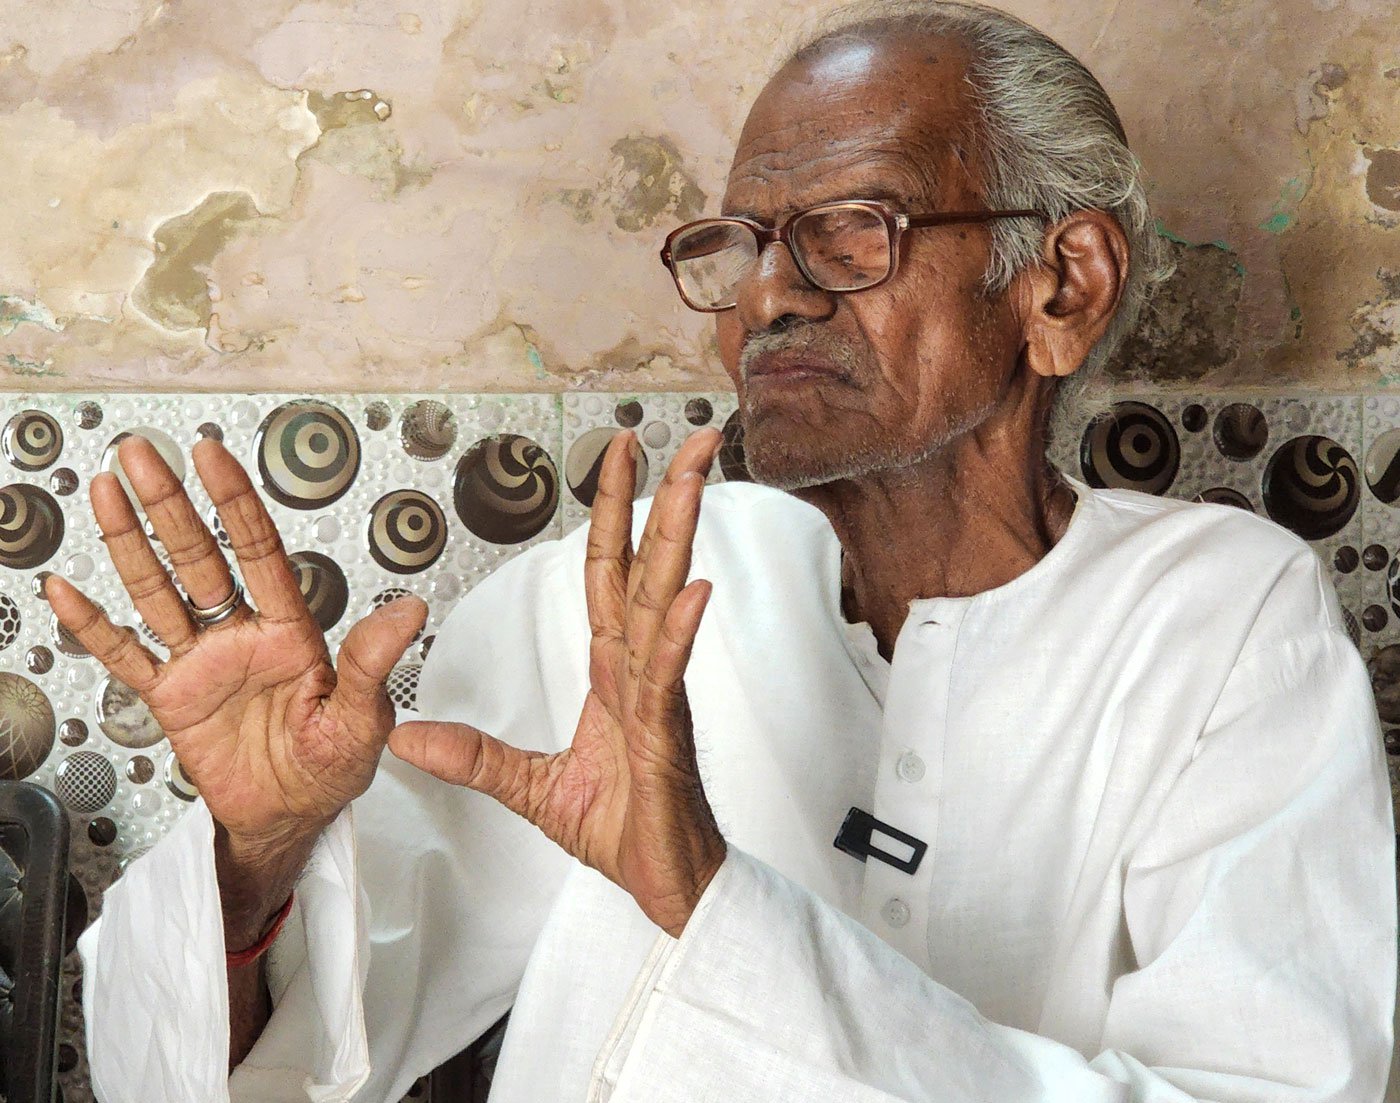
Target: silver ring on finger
x,y
217,614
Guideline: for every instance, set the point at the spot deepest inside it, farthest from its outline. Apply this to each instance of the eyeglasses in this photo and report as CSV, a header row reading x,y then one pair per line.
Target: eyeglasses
x,y
847,246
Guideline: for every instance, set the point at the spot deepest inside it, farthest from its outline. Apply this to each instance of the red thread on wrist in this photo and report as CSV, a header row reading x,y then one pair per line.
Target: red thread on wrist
x,y
257,949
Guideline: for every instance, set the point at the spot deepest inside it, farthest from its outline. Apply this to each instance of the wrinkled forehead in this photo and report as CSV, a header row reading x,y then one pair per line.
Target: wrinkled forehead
x,y
890,116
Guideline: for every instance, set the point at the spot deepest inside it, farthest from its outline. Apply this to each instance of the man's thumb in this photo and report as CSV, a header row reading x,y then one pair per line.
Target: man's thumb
x,y
375,644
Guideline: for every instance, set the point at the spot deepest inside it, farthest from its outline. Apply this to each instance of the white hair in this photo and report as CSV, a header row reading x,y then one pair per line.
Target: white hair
x,y
1047,138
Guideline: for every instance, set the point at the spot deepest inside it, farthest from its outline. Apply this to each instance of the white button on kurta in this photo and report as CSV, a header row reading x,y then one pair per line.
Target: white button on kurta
x,y
1159,861
896,912
910,767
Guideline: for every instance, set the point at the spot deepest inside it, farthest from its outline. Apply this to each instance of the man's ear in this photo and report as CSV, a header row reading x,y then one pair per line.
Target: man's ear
x,y
1068,299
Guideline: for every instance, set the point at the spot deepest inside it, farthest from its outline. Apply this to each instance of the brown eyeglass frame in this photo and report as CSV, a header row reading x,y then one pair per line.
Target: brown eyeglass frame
x,y
896,223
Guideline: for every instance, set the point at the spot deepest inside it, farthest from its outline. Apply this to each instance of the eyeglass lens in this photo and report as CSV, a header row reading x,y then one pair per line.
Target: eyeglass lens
x,y
842,248
711,260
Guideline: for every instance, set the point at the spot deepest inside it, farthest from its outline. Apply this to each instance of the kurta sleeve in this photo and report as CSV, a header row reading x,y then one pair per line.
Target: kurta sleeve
x,y
413,921
155,991
1260,909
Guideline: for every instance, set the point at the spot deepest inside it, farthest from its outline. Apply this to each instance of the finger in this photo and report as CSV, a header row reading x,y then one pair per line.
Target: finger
x,y
609,552
463,755
663,574
199,564
373,646
154,595
262,559
661,700
696,454
118,649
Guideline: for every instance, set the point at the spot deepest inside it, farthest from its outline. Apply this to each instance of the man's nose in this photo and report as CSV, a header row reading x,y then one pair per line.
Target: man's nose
x,y
775,288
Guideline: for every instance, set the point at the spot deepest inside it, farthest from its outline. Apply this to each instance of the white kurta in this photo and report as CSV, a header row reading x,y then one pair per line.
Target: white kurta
x,y
1149,771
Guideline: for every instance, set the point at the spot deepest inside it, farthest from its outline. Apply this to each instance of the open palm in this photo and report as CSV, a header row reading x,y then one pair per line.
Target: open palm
x,y
625,797
268,729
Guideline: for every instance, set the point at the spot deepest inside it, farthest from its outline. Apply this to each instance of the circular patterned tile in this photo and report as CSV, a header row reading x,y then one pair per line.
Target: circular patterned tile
x,y
407,531
732,464
26,726
1374,617
323,586
506,489
89,415
490,415
1297,418
38,660
656,434
308,454
32,440
243,413
1312,486
1383,467
428,430
176,781
102,831
327,529
124,717
140,769
402,685
63,481
377,416
31,526
79,567
1375,557
1241,431
584,464
86,781
73,732
9,621
1346,560
1130,447
1225,496
628,414
699,411
1194,418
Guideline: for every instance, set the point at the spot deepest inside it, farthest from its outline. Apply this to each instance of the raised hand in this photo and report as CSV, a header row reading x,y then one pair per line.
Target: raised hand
x,y
625,797
277,739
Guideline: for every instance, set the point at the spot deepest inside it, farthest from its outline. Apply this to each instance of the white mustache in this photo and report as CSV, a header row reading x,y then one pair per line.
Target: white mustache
x,y
824,345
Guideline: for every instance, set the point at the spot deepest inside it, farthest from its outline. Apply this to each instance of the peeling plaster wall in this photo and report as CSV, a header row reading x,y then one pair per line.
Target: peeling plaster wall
x,y
469,194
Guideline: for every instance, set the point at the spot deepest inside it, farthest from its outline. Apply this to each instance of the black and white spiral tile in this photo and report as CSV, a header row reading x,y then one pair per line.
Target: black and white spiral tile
x,y
1294,459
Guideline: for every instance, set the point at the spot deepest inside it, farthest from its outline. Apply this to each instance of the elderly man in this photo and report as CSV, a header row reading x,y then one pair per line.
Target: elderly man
x,y
1103,771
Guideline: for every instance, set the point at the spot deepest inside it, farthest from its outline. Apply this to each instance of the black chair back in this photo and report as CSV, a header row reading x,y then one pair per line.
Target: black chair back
x,y
33,879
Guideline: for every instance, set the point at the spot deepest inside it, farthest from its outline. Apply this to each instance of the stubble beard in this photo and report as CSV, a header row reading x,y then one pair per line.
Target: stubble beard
x,y
793,456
